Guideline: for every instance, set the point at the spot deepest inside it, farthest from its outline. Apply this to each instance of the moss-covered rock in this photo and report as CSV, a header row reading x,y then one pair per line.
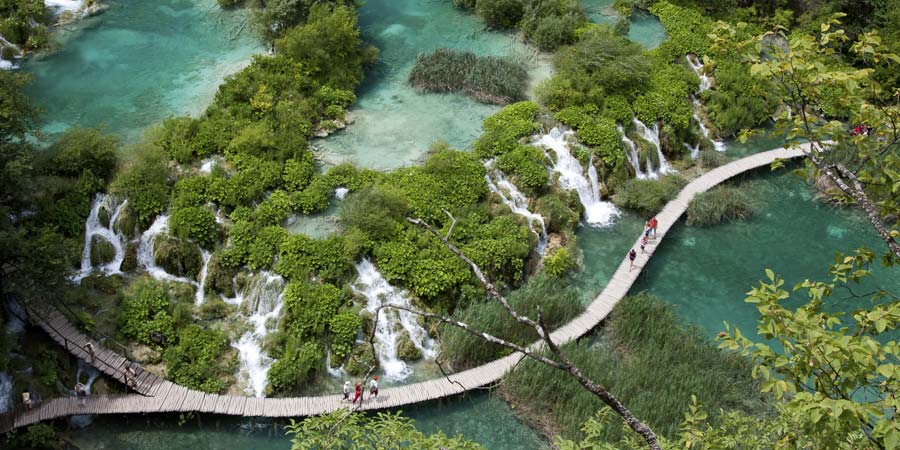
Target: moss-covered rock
x,y
129,259
102,251
103,215
406,349
220,277
127,223
177,257
215,308
360,360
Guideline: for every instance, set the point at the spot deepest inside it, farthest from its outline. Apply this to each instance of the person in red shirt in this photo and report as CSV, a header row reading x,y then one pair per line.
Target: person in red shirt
x,y
653,223
358,395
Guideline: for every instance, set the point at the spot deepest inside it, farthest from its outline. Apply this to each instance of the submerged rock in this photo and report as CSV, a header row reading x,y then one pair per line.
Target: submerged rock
x,y
406,349
360,360
127,223
130,259
219,277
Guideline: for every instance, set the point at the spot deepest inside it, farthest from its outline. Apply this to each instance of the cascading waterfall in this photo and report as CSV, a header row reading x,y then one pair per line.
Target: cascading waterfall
x,y
697,67
6,390
516,201
631,155
93,228
263,298
6,64
597,212
146,260
652,136
377,292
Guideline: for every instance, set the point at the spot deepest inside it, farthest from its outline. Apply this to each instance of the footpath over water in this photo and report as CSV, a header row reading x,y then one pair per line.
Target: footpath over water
x,y
157,395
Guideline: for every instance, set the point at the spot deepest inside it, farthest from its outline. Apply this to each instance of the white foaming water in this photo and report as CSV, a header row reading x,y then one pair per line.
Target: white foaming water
x,y
378,292
93,227
597,212
64,5
341,192
652,135
264,299
145,259
517,202
6,390
336,372
84,369
697,67
7,64
631,154
718,145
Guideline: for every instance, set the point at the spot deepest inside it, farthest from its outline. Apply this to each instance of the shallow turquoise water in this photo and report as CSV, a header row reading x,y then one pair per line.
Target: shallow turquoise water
x,y
394,124
139,62
479,417
645,28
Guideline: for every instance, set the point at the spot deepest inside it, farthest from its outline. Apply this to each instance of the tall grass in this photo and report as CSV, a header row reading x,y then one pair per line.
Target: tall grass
x,y
559,303
650,361
488,79
722,203
648,196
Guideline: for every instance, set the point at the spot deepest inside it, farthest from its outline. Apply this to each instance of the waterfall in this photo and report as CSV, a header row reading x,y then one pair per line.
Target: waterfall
x,y
263,299
631,155
6,64
718,145
336,372
597,212
146,260
65,5
517,202
93,227
6,390
341,192
652,135
378,292
697,67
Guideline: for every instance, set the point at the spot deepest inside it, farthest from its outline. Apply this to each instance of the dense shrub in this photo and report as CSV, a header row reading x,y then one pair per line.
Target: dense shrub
x,y
722,203
710,159
559,263
526,165
561,210
297,366
500,13
310,307
174,137
558,301
595,131
200,360
666,98
650,361
344,328
144,181
378,212
503,130
688,30
178,257
146,311
488,79
648,196
327,259
195,223
550,24
299,172
80,150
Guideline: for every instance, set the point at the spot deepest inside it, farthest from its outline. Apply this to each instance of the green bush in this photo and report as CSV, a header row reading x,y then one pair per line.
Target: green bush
x,y
378,212
526,165
297,366
316,197
595,131
214,307
195,223
200,360
299,172
648,196
500,13
722,203
344,328
653,364
39,436
274,210
229,3
146,310
488,79
144,182
191,192
550,24
559,263
310,307
327,259
561,211
174,136
710,159
80,150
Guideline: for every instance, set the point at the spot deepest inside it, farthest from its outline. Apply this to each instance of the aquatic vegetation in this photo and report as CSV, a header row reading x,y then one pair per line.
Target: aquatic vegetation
x,y
488,79
722,203
648,196
653,363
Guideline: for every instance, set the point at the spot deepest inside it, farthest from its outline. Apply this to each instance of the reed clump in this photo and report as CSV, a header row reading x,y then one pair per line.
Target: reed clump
x,y
488,79
721,204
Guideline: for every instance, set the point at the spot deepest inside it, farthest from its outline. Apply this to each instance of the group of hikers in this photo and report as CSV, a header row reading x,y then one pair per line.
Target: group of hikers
x,y
358,395
649,227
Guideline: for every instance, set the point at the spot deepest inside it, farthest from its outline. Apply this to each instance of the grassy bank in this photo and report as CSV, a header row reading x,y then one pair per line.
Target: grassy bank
x,y
645,356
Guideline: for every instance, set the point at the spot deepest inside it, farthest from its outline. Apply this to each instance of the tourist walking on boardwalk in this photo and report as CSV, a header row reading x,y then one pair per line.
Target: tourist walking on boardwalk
x,y
653,224
89,349
346,391
373,386
81,391
358,395
26,399
632,255
644,241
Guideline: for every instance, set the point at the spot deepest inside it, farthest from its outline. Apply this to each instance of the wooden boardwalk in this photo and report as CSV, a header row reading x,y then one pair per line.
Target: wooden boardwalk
x,y
158,395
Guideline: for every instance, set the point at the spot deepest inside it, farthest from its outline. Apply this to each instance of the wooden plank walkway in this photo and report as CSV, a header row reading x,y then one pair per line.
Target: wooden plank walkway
x,y
158,395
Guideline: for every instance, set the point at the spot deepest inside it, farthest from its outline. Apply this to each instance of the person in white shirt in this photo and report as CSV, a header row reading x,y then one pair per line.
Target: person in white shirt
x,y
373,386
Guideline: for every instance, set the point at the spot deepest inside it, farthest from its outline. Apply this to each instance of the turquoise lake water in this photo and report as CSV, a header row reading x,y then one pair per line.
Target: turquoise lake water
x,y
138,63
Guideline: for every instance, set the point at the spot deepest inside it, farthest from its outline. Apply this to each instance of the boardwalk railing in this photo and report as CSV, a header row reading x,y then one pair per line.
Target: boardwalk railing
x,y
158,395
